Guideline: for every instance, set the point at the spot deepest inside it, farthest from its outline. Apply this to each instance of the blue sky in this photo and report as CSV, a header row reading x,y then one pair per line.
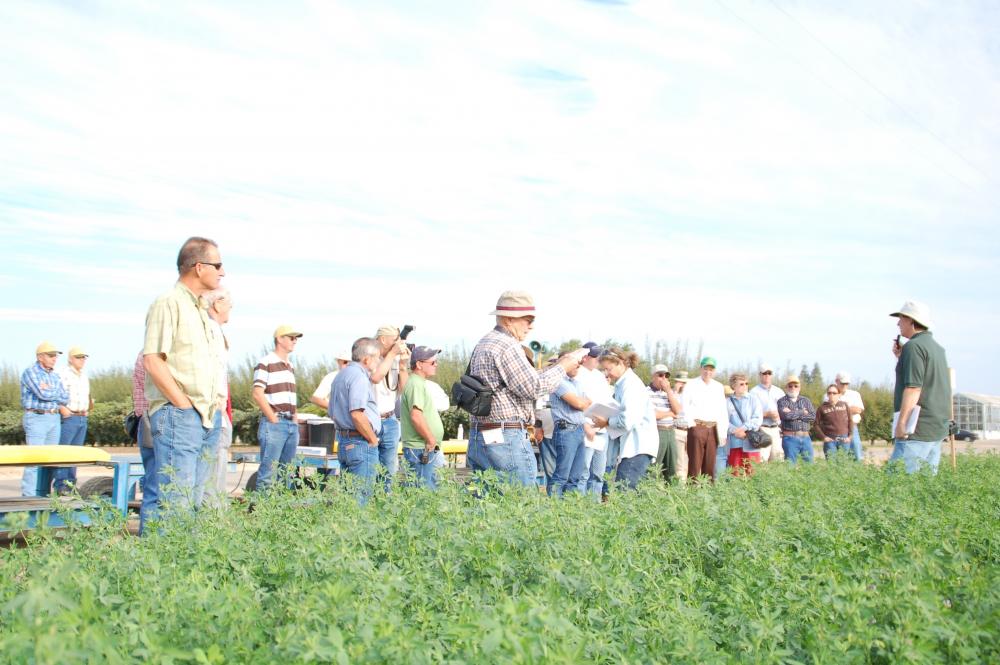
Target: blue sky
x,y
770,177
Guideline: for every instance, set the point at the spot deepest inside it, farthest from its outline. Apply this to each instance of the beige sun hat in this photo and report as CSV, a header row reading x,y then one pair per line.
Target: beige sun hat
x,y
515,304
917,311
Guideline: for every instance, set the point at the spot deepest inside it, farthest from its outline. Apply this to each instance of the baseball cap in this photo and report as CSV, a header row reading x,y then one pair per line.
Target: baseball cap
x,y
661,369
792,378
285,329
708,361
46,347
422,353
843,377
78,351
764,367
343,355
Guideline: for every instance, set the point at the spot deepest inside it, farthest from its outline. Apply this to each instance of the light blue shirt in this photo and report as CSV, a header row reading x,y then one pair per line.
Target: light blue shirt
x,y
561,410
42,389
352,390
753,416
637,417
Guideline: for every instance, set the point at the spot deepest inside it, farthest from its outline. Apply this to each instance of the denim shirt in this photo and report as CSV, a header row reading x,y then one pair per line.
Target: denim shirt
x,y
753,416
561,410
352,390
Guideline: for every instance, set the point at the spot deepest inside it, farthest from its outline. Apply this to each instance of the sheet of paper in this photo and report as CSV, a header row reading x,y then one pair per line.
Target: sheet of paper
x,y
911,422
493,436
605,410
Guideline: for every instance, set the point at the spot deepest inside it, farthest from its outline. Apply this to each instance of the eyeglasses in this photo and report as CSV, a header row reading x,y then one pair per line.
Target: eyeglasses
x,y
793,385
662,375
83,356
294,338
217,266
766,373
50,355
832,392
429,362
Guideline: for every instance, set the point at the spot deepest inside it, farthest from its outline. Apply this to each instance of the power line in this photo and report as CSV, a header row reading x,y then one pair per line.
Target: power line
x,y
833,88
899,107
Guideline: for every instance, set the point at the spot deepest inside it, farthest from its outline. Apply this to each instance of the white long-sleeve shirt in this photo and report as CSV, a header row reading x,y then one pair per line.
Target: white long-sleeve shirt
x,y
706,401
637,417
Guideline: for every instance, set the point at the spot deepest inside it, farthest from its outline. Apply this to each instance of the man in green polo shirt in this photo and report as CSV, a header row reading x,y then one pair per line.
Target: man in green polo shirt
x,y
922,383
422,429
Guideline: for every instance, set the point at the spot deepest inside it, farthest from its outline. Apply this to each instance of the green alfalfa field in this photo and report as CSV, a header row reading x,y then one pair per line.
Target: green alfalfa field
x,y
829,563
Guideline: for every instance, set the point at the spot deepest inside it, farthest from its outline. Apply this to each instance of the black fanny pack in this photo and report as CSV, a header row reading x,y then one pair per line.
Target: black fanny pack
x,y
472,394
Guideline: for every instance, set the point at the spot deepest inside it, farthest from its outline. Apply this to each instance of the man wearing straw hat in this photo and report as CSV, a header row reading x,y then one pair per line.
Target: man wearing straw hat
x,y
923,384
499,440
44,399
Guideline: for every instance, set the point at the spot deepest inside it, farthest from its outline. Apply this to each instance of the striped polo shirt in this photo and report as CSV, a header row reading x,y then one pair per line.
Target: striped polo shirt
x,y
277,378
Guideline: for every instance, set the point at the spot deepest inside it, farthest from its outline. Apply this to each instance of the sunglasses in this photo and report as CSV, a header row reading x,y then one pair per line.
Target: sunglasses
x,y
217,266
83,356
832,392
767,373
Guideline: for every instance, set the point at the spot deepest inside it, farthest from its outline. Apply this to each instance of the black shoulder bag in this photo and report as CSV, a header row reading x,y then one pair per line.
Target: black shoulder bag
x,y
472,394
756,438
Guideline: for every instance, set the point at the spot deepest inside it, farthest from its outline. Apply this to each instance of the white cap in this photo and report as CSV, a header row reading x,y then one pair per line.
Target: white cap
x,y
843,377
764,367
917,311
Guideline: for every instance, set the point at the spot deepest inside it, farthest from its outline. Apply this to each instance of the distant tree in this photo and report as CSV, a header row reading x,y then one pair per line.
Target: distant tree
x,y
816,376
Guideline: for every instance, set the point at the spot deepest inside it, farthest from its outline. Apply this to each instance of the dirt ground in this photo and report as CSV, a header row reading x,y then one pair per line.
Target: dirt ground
x,y
10,477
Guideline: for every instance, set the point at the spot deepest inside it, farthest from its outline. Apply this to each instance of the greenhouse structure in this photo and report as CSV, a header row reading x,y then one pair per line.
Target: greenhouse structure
x,y
979,414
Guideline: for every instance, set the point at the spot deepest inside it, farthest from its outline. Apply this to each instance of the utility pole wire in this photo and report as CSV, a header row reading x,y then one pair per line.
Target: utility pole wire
x,y
899,107
833,88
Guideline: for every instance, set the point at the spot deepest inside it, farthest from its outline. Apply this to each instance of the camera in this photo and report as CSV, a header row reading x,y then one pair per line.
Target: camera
x,y
425,457
407,329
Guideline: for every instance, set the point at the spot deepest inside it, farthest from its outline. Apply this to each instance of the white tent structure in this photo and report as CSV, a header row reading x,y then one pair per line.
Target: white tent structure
x,y
979,414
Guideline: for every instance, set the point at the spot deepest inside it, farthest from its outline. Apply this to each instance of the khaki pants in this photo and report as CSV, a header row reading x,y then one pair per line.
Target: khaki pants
x,y
774,450
682,457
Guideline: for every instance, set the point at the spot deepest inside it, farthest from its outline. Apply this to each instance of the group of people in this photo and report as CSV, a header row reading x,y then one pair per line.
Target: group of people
x,y
590,413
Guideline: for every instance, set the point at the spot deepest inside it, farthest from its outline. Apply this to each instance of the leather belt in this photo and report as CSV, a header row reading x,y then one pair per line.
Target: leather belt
x,y
784,433
42,412
387,414
285,415
482,427
78,413
565,424
704,423
349,432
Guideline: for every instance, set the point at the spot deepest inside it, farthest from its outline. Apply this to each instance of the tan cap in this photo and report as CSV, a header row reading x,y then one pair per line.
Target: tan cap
x,y
682,376
388,331
283,330
46,347
75,351
515,304
917,311
661,369
792,378
343,355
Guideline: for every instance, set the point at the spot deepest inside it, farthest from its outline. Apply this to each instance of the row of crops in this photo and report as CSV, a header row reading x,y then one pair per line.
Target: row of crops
x,y
831,563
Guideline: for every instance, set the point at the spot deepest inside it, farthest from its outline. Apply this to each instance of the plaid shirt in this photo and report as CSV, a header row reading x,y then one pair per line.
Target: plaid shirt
x,y
42,389
501,364
139,401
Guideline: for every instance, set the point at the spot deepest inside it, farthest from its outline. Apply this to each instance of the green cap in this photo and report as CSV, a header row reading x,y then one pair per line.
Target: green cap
x,y
708,360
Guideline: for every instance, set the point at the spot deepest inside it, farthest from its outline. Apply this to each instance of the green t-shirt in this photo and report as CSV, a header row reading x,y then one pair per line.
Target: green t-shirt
x,y
416,394
923,365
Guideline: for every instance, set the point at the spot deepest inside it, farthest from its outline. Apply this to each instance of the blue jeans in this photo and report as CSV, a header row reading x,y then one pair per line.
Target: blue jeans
x,y
185,452
594,467
614,450
149,510
388,448
797,446
358,458
73,432
547,456
632,469
856,443
512,458
277,448
40,429
916,454
425,473
568,444
840,443
721,460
